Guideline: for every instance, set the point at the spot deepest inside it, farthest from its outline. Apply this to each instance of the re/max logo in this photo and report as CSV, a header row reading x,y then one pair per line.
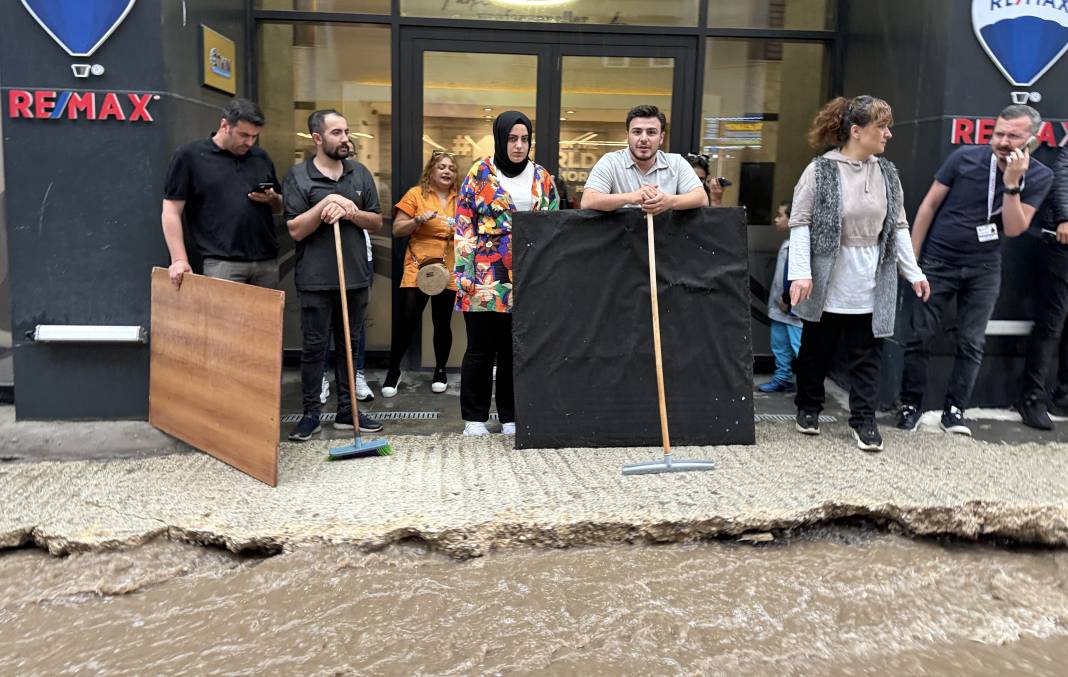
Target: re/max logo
x,y
44,104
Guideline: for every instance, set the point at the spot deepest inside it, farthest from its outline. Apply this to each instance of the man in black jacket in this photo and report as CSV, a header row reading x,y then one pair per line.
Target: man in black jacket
x,y
1034,400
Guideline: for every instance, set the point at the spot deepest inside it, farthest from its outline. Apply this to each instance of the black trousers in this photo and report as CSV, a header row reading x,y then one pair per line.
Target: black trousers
x,y
320,315
1047,337
412,302
489,341
819,342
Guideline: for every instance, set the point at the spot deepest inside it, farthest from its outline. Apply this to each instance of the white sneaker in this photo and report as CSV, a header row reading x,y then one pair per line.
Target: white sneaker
x,y
324,394
508,428
475,428
391,390
363,391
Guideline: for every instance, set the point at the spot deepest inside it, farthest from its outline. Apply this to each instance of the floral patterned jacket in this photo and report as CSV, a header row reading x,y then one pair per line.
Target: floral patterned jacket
x,y
484,236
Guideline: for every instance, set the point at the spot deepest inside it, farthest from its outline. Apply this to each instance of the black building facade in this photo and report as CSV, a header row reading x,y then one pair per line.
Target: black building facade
x,y
82,175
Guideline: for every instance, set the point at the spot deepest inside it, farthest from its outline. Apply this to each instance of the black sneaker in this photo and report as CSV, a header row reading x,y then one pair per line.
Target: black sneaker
x,y
1033,412
1058,404
305,428
808,422
343,421
909,417
867,436
953,421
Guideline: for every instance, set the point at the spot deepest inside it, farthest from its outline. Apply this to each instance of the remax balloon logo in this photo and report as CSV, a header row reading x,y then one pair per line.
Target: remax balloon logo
x,y
79,26
1024,38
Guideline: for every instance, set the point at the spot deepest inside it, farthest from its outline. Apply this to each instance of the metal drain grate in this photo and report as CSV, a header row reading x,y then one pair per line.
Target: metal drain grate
x,y
786,418
379,415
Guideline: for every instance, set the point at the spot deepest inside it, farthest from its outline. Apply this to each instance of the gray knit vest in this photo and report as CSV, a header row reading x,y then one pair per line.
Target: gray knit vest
x,y
826,238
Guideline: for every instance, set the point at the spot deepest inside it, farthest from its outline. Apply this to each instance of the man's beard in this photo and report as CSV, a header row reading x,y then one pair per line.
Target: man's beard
x,y
336,153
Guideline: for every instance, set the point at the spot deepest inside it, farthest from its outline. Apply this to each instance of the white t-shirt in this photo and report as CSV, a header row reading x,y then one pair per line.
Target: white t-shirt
x,y
520,187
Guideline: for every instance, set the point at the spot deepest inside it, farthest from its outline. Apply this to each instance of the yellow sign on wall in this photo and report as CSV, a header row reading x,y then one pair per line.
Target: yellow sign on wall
x,y
218,61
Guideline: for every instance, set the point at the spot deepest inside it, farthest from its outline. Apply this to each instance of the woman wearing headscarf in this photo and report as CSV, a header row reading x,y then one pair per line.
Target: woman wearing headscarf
x,y
848,239
495,188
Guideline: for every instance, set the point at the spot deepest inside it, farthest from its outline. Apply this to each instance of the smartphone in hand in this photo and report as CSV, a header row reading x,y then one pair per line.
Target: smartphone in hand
x,y
264,186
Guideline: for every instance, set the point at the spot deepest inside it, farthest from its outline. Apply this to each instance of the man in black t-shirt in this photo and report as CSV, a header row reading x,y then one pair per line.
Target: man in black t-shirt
x,y
1048,333
980,196
225,187
319,192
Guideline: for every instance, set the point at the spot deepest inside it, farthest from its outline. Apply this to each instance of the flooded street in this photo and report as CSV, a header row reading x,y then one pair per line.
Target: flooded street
x,y
833,601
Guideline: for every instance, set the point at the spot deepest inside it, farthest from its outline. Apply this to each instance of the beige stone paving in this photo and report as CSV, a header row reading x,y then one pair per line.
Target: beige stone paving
x,y
466,496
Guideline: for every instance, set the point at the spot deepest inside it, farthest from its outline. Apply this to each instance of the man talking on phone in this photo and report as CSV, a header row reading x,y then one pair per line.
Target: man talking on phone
x,y
226,189
980,196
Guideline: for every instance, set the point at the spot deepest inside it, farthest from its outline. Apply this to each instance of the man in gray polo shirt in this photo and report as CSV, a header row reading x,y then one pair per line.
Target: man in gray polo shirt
x,y
642,175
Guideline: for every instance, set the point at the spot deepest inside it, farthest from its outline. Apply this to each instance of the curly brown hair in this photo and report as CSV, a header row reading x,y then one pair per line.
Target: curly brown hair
x,y
832,124
424,180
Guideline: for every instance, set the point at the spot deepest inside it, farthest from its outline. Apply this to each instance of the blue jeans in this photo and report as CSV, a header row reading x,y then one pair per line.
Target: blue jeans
x,y
975,289
785,344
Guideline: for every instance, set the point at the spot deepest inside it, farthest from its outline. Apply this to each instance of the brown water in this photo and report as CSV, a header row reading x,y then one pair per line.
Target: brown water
x,y
836,601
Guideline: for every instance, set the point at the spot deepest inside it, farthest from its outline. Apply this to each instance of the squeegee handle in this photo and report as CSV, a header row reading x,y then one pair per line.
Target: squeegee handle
x,y
347,331
656,338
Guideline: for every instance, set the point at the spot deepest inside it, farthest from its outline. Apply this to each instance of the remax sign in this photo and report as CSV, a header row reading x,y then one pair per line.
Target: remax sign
x,y
1024,38
45,104
79,26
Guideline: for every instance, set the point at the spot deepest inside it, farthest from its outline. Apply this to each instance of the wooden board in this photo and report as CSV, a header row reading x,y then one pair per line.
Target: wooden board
x,y
215,378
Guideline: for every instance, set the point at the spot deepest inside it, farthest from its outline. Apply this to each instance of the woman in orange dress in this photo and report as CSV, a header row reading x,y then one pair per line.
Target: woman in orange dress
x,y
426,214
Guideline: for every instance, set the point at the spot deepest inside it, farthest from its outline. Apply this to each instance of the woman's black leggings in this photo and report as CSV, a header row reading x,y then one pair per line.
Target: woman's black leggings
x,y
412,302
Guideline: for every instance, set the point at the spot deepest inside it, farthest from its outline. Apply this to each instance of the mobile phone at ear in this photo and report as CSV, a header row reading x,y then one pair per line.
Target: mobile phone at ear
x,y
1032,144
264,186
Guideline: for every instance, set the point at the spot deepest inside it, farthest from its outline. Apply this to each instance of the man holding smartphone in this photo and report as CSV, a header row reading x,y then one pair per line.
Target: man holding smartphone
x,y
980,196
226,189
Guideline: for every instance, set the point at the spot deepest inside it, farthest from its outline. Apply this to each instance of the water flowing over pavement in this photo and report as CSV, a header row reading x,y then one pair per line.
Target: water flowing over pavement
x,y
378,566
842,600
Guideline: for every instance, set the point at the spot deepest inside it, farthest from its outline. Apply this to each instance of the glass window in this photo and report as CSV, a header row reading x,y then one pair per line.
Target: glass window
x,y
303,67
759,98
617,12
352,6
795,14
595,94
458,117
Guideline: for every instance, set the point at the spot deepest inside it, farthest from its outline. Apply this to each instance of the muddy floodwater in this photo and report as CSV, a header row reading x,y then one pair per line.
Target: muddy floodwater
x,y
833,601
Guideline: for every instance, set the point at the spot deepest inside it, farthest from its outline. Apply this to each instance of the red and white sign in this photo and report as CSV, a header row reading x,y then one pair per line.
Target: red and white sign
x,y
968,131
48,104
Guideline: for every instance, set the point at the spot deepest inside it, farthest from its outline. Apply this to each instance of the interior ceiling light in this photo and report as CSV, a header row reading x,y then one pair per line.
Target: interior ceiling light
x,y
532,3
487,109
570,112
304,135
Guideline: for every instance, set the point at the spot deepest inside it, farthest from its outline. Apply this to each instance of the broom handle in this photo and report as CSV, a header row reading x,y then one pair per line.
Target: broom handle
x,y
656,338
347,331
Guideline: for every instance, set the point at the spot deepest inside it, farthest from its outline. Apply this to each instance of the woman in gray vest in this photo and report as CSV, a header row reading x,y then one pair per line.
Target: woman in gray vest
x,y
848,240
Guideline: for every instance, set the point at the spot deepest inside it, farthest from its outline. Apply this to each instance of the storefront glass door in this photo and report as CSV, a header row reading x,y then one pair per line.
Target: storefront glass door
x,y
577,95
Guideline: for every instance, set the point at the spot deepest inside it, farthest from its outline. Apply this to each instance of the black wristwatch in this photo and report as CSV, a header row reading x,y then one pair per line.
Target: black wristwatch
x,y
1015,190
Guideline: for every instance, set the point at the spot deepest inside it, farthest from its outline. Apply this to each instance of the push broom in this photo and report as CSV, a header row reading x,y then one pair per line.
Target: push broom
x,y
359,448
666,464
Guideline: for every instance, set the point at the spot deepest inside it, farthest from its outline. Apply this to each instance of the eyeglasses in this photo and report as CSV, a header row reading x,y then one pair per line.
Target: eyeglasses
x,y
438,152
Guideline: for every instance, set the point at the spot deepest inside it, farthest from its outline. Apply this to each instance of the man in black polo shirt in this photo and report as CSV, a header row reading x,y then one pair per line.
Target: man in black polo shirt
x,y
319,192
980,196
227,190
1048,335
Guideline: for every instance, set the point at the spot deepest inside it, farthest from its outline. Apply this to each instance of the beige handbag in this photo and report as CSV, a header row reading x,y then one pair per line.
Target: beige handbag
x,y
433,276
